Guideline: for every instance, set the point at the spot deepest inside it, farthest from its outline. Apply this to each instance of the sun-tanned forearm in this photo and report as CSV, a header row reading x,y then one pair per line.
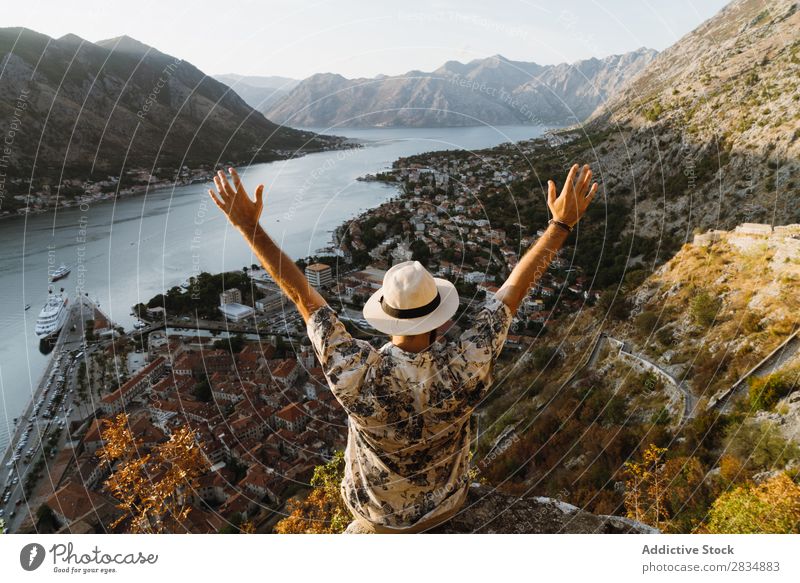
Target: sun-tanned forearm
x,y
567,209
284,271
243,213
531,266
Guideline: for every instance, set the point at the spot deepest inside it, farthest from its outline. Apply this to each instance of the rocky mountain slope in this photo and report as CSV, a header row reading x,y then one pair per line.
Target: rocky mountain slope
x,y
494,90
722,313
708,134
258,92
79,107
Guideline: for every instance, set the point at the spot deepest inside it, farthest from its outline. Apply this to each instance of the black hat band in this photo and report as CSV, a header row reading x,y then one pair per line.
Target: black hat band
x,y
411,312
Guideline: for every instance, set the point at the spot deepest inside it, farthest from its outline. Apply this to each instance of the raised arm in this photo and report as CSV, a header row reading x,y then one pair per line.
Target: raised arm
x,y
243,213
567,209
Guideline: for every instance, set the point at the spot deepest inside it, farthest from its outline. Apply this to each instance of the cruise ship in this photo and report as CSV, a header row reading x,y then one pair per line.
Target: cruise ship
x,y
53,315
62,271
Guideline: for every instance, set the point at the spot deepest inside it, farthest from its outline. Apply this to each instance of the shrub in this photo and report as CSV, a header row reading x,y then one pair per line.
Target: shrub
x,y
769,508
665,336
751,322
654,112
544,357
765,392
646,322
324,510
760,446
704,308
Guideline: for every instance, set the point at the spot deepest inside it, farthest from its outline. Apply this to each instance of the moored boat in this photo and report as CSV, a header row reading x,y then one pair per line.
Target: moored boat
x,y
53,315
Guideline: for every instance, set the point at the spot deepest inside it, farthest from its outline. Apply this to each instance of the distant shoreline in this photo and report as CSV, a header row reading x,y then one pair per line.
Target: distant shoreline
x,y
199,178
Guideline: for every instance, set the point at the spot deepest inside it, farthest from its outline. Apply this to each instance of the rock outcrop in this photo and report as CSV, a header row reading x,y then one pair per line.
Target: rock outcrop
x,y
489,511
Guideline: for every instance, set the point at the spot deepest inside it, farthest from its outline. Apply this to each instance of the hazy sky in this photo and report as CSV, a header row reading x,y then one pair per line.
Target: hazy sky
x,y
364,38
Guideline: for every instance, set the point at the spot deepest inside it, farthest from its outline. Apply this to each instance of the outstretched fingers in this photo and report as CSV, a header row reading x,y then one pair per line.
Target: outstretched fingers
x,y
217,201
591,194
571,176
551,192
223,185
583,187
237,182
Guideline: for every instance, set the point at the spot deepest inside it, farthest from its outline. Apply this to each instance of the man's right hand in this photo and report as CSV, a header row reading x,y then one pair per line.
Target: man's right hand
x,y
572,203
242,211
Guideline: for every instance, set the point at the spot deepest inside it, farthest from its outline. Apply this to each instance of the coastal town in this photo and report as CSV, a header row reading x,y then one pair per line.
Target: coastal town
x,y
440,221
75,192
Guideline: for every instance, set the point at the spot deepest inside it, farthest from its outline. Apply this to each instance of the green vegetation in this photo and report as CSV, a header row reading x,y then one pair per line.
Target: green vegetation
x,y
233,344
323,511
759,445
202,390
769,508
544,357
646,322
765,392
202,297
654,112
704,308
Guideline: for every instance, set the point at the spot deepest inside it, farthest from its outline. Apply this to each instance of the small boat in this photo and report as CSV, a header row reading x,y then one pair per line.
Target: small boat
x,y
138,324
62,271
27,306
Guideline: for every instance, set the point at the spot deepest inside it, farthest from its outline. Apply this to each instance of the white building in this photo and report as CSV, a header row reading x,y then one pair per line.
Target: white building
x,y
236,312
272,301
754,229
230,296
319,275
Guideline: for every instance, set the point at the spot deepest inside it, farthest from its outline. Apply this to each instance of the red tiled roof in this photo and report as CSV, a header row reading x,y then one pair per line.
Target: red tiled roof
x,y
291,413
133,381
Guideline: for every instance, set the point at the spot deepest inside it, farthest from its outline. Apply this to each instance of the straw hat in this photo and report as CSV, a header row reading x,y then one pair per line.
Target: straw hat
x,y
411,301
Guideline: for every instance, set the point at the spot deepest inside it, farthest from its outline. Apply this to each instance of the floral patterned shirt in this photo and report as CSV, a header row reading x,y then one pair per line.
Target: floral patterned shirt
x,y
407,451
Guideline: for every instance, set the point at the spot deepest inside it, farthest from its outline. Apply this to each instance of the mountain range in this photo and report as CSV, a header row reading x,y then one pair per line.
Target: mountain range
x,y
493,90
259,92
77,108
707,135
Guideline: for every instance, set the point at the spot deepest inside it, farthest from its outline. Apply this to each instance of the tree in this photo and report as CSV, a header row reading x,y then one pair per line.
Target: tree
x,y
614,303
202,391
544,357
772,507
760,445
646,322
420,251
234,344
46,520
765,392
646,487
323,511
704,308
151,486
